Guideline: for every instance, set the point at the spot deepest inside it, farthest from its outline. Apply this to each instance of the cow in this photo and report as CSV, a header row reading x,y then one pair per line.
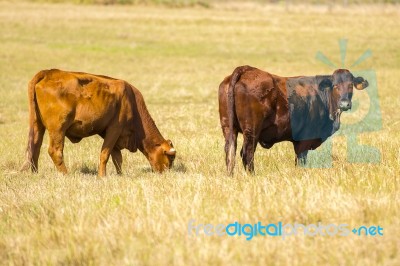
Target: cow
x,y
268,109
77,105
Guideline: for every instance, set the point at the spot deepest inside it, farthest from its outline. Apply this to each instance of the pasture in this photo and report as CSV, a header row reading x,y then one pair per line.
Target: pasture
x,y
177,58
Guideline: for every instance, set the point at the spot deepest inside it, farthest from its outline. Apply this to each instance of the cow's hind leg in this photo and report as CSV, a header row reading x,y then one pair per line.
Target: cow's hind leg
x,y
37,143
230,148
117,160
56,149
35,140
248,150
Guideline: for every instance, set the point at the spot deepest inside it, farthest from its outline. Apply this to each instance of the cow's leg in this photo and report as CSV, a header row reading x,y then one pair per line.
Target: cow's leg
x,y
56,148
37,143
110,139
248,150
33,150
301,158
117,160
301,150
230,148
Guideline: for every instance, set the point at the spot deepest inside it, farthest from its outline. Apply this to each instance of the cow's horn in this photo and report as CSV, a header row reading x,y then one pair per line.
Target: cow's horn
x,y
171,151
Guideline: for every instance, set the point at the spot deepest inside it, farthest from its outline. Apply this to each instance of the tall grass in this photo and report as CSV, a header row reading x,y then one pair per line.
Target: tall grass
x,y
208,3
170,3
177,58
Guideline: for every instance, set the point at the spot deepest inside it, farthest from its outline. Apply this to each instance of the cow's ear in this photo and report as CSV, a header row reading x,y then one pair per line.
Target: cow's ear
x,y
360,83
325,84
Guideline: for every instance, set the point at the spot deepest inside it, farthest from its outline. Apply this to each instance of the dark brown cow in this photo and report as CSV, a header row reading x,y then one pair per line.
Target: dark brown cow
x,y
78,105
268,109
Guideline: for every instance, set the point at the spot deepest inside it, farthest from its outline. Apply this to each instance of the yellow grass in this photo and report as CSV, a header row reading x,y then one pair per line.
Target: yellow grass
x,y
177,58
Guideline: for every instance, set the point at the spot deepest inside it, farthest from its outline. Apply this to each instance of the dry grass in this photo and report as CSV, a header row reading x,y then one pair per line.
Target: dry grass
x,y
177,58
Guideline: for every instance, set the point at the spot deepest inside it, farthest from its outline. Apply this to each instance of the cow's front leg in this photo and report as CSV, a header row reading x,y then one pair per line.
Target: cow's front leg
x,y
301,149
110,139
301,158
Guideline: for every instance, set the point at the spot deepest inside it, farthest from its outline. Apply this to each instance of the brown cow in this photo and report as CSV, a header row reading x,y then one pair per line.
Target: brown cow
x,y
268,109
78,105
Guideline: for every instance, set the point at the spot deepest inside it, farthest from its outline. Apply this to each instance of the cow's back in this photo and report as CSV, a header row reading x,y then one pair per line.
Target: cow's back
x,y
261,105
82,103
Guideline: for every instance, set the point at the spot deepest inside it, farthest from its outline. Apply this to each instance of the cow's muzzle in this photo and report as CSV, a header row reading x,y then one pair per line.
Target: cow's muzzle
x,y
345,105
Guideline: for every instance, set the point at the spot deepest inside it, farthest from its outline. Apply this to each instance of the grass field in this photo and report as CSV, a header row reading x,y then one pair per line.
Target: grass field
x,y
177,58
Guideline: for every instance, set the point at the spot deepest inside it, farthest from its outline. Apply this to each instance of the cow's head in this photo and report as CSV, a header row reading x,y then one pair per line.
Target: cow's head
x,y
162,156
340,91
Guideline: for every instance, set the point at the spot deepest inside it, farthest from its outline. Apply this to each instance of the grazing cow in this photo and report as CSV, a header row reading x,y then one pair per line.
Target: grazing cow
x,y
78,105
268,109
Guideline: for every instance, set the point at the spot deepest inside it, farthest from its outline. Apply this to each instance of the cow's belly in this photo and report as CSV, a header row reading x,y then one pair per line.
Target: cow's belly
x,y
82,129
271,135
91,118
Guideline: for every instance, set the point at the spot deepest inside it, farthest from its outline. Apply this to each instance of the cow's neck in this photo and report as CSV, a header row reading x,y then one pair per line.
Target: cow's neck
x,y
331,109
326,96
147,133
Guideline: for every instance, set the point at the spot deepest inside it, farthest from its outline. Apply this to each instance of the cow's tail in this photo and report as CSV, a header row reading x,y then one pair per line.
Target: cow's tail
x,y
231,142
36,127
